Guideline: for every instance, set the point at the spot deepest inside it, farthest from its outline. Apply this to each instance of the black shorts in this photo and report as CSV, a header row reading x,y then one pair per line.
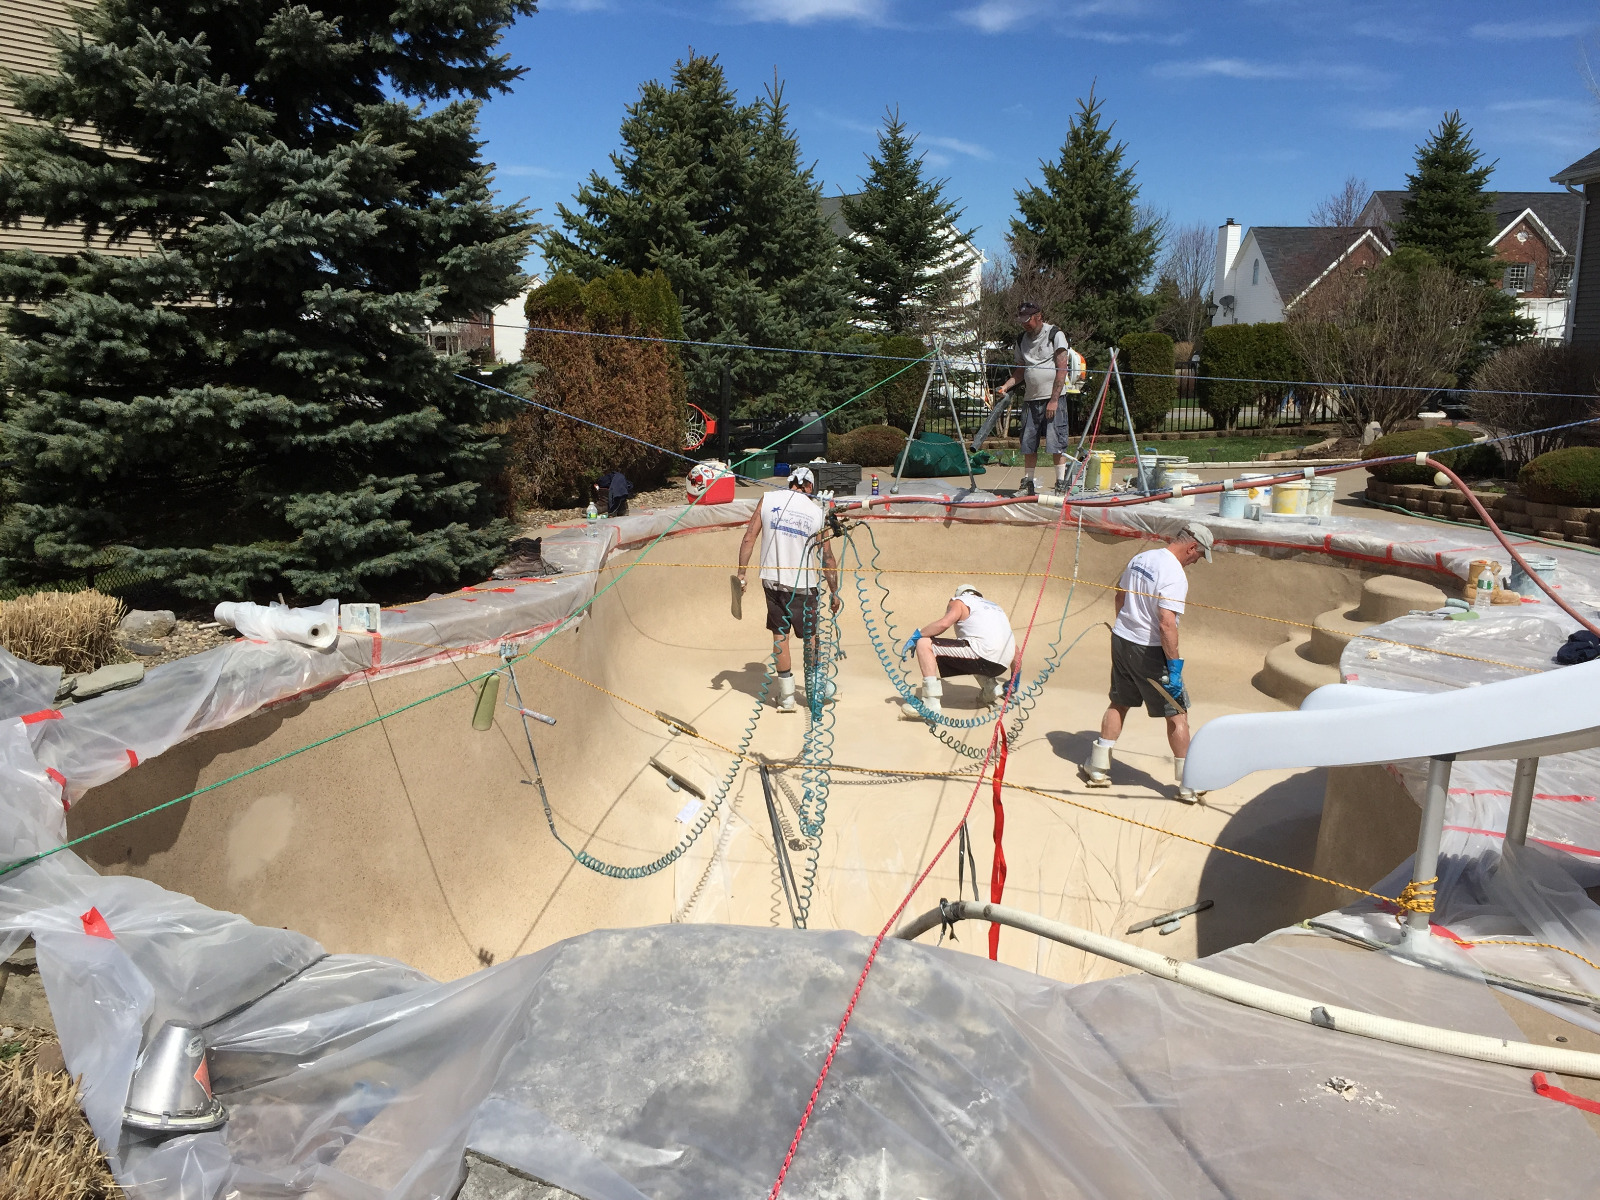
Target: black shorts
x,y
790,609
1132,668
956,657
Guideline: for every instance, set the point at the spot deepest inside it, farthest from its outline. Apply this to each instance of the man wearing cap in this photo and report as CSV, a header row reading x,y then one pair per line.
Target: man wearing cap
x,y
1043,357
983,646
789,527
1144,651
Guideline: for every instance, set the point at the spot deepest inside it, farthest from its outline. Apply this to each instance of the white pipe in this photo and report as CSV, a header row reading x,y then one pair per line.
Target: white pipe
x,y
1524,1055
1425,866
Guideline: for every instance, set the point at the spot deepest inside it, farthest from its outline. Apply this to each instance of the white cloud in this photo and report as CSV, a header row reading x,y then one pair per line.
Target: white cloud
x,y
1526,31
970,149
1241,68
1419,118
581,6
998,16
806,12
522,171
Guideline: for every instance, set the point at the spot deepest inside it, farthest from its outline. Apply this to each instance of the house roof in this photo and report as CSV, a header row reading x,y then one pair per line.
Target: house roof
x,y
1585,170
1299,255
1557,211
833,212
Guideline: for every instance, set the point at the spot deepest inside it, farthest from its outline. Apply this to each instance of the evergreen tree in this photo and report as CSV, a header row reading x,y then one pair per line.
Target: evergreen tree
x,y
1084,220
1446,216
714,194
908,257
249,408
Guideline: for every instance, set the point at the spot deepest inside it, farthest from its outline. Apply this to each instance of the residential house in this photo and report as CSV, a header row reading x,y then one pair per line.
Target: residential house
x,y
499,334
1582,181
1536,235
26,48
1263,273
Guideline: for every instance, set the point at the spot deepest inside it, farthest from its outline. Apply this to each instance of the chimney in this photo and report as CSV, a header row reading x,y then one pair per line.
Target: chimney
x,y
1229,238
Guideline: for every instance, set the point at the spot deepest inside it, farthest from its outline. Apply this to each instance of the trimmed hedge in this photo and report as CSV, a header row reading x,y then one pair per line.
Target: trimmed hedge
x,y
1570,477
1230,351
1152,384
1453,447
869,445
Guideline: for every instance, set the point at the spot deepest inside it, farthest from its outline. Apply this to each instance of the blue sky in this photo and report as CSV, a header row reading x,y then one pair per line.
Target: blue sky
x,y
1254,109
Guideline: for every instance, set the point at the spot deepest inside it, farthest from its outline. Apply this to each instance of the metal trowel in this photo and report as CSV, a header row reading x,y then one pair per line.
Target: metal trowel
x,y
737,604
1176,703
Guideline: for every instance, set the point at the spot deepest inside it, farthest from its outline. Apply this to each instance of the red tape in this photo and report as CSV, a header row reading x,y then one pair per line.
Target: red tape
x,y
44,714
1550,1091
95,925
997,874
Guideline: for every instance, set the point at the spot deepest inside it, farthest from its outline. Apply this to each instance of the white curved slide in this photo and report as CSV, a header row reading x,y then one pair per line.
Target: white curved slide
x,y
1553,712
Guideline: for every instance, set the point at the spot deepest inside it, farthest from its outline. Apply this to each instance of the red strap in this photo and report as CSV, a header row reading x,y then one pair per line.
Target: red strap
x,y
997,875
60,781
95,925
44,714
377,650
1550,1091
133,759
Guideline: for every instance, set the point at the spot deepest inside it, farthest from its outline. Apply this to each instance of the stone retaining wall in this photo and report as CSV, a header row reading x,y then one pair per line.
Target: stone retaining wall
x,y
1513,513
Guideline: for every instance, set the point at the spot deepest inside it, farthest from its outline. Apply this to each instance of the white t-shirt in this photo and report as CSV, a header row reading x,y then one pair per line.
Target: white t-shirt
x,y
1037,354
1151,581
987,630
790,522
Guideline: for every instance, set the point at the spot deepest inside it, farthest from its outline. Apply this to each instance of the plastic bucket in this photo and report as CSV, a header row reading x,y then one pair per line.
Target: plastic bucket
x,y
1543,566
1104,461
1233,504
1187,479
1168,465
1319,503
1289,499
1256,495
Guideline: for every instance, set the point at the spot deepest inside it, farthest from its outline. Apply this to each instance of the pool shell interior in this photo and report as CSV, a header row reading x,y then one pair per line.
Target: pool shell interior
x,y
420,838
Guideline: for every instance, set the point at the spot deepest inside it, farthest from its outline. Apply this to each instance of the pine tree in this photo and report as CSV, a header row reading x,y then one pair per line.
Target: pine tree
x,y
249,408
714,194
1084,219
908,256
1446,216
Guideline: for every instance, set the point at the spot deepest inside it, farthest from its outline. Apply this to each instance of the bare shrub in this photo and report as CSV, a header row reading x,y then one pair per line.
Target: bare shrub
x,y
1183,282
76,631
1341,209
46,1145
1387,338
1505,403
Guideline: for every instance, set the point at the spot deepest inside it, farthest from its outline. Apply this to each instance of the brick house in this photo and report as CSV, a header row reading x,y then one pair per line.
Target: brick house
x,y
1582,181
1260,275
1536,240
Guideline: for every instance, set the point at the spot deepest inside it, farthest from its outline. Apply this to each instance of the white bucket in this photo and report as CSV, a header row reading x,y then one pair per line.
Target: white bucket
x,y
1544,566
1167,464
1254,494
1319,503
1233,504
1185,479
1289,499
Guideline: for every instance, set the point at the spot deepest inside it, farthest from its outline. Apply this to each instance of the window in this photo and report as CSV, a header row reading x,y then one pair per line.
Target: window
x,y
1560,276
1255,273
1516,277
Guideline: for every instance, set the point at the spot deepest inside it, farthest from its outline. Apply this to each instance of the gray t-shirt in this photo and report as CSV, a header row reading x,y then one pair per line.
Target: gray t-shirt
x,y
1037,354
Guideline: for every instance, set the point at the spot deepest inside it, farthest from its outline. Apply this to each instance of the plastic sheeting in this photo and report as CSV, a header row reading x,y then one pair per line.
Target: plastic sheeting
x,y
24,686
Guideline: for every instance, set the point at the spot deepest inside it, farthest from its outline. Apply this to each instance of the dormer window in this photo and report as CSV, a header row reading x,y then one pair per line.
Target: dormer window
x,y
1255,273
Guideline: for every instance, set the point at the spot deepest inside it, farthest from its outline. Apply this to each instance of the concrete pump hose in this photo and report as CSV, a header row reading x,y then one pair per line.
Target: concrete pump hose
x,y
1326,1016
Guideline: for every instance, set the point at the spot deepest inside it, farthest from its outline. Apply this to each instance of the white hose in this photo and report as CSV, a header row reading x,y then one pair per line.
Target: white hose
x,y
1310,1012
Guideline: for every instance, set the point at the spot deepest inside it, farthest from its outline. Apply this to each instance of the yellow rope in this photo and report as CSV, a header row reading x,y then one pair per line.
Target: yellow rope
x,y
1514,942
1418,895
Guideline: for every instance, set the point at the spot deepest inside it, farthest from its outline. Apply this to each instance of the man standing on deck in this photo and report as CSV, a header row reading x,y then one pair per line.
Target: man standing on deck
x,y
789,527
1043,359
983,646
1144,651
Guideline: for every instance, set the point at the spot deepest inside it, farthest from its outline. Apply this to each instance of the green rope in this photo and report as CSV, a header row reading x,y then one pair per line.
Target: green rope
x,y
333,737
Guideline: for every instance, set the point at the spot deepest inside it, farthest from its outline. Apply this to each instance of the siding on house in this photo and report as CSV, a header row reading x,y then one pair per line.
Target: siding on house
x,y
1585,322
25,47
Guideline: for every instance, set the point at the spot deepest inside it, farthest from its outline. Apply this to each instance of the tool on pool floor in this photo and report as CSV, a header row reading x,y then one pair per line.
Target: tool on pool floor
x,y
736,605
1173,921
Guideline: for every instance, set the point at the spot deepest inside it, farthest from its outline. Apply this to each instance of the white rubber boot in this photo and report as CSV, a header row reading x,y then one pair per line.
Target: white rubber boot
x,y
1187,795
932,695
786,693
988,692
1097,771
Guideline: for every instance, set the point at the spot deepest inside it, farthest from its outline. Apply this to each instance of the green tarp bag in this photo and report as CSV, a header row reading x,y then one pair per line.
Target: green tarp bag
x,y
933,455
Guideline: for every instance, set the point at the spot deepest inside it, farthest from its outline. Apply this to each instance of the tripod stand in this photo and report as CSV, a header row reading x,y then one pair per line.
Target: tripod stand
x,y
938,371
1146,476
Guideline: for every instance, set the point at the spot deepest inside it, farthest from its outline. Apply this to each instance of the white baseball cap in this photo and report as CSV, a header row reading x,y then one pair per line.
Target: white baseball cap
x,y
1201,536
802,475
965,589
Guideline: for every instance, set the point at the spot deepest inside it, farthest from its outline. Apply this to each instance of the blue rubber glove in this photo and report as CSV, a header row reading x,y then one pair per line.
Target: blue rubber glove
x,y
911,644
1011,687
1174,679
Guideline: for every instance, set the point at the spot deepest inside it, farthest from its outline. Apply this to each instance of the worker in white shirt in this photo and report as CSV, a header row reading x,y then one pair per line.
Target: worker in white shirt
x,y
983,646
1144,651
789,526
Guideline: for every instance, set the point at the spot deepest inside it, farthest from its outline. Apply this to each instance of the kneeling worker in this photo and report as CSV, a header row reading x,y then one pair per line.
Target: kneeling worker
x,y
983,646
789,527
1144,651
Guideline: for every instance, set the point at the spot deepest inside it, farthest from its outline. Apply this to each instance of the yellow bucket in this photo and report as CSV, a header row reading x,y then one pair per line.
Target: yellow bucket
x,y
1104,462
1289,499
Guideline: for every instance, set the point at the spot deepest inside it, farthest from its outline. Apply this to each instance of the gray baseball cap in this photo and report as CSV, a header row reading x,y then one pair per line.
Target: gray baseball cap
x,y
1201,536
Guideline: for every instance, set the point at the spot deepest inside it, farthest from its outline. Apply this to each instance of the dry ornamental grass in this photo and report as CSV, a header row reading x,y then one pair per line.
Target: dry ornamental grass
x,y
76,631
46,1146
